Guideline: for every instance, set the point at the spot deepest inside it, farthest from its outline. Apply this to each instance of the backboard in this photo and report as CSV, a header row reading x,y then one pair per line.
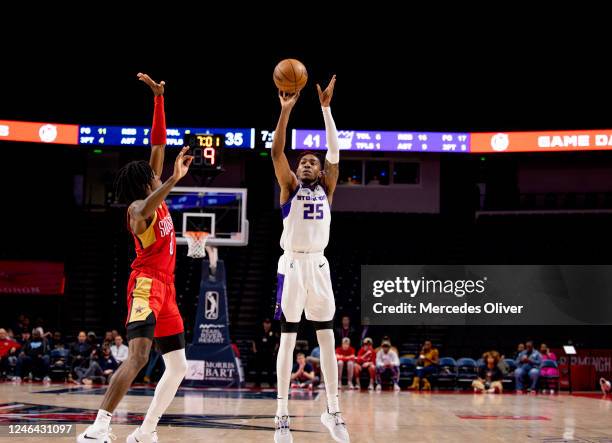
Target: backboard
x,y
219,211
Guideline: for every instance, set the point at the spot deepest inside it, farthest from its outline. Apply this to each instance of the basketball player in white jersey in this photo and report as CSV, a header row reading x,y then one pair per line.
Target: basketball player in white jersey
x,y
304,282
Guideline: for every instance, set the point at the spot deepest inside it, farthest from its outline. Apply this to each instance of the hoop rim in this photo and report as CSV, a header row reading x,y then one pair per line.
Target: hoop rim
x,y
196,235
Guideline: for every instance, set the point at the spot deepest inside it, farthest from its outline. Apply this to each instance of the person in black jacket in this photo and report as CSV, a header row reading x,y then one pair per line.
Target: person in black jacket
x,y
80,352
34,357
100,370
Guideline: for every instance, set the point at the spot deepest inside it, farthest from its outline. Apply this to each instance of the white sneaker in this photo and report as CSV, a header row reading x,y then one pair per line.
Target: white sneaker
x,y
371,387
139,437
47,380
378,388
350,385
337,427
16,379
396,387
282,434
92,435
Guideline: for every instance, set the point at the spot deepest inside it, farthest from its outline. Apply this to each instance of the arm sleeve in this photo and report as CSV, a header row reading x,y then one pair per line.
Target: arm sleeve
x,y
331,133
158,130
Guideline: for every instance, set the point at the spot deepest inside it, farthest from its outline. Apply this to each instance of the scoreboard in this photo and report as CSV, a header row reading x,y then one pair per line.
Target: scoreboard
x,y
312,139
392,141
139,136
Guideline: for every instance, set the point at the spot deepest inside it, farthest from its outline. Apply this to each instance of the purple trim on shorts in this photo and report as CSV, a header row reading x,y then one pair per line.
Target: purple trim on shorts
x,y
278,311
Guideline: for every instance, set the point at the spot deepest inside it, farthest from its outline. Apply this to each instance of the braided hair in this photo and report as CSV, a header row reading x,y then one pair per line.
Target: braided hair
x,y
132,181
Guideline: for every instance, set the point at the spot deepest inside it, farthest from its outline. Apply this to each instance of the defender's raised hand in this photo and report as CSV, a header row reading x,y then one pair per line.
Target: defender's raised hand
x,y
181,164
326,95
157,88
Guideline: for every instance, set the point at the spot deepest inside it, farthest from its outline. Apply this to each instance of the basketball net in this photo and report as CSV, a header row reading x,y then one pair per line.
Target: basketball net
x,y
196,243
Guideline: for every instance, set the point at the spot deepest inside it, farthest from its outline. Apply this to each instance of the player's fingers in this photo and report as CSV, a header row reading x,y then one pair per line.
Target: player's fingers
x,y
319,89
162,83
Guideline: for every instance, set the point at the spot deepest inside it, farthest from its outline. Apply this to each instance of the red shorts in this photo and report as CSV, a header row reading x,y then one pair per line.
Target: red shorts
x,y
153,292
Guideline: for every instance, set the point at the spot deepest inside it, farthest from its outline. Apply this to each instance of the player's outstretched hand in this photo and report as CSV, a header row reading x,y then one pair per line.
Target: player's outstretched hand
x,y
287,99
326,95
181,164
157,88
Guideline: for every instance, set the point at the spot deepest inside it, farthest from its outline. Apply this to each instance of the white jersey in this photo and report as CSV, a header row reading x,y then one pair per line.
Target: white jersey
x,y
306,220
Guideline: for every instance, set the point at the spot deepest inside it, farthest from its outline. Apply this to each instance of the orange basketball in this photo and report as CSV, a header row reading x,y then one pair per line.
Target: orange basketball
x,y
290,75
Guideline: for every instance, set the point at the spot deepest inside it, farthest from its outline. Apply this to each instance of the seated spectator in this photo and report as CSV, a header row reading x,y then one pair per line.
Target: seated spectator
x,y
302,375
92,339
108,338
100,370
426,365
80,352
547,354
384,339
605,385
24,337
528,365
115,333
387,363
345,355
315,360
366,360
119,350
34,358
520,348
8,353
56,341
490,375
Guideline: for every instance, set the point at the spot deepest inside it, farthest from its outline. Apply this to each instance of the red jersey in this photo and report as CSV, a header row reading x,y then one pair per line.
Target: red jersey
x,y
366,355
155,247
345,354
6,345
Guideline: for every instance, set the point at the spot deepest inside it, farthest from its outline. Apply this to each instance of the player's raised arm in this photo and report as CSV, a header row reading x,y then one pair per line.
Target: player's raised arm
x,y
333,149
158,130
285,176
142,210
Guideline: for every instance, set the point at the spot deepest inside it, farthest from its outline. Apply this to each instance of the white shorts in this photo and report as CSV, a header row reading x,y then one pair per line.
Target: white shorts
x,y
304,284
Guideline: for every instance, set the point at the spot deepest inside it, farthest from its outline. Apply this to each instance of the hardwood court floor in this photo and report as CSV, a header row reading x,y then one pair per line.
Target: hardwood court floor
x,y
246,415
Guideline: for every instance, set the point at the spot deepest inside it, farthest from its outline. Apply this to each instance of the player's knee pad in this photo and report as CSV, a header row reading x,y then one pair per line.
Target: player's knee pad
x,y
288,326
321,325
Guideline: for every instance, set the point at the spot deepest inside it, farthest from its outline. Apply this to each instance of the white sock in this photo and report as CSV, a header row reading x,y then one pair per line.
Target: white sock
x,y
176,367
329,368
284,363
103,420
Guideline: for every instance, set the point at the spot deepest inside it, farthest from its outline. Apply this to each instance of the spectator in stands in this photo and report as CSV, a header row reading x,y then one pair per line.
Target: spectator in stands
x,y
426,365
34,358
115,333
315,360
384,339
119,350
547,354
520,348
22,325
56,341
366,360
100,369
528,365
8,353
108,338
23,338
80,352
374,181
345,355
346,330
264,349
606,386
490,375
92,339
387,363
302,375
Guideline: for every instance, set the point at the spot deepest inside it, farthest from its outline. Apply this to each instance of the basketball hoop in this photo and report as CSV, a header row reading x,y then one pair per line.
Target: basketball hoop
x,y
196,242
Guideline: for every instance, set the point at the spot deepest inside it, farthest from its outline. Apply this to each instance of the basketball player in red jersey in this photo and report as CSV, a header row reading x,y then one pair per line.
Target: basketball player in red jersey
x,y
152,309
